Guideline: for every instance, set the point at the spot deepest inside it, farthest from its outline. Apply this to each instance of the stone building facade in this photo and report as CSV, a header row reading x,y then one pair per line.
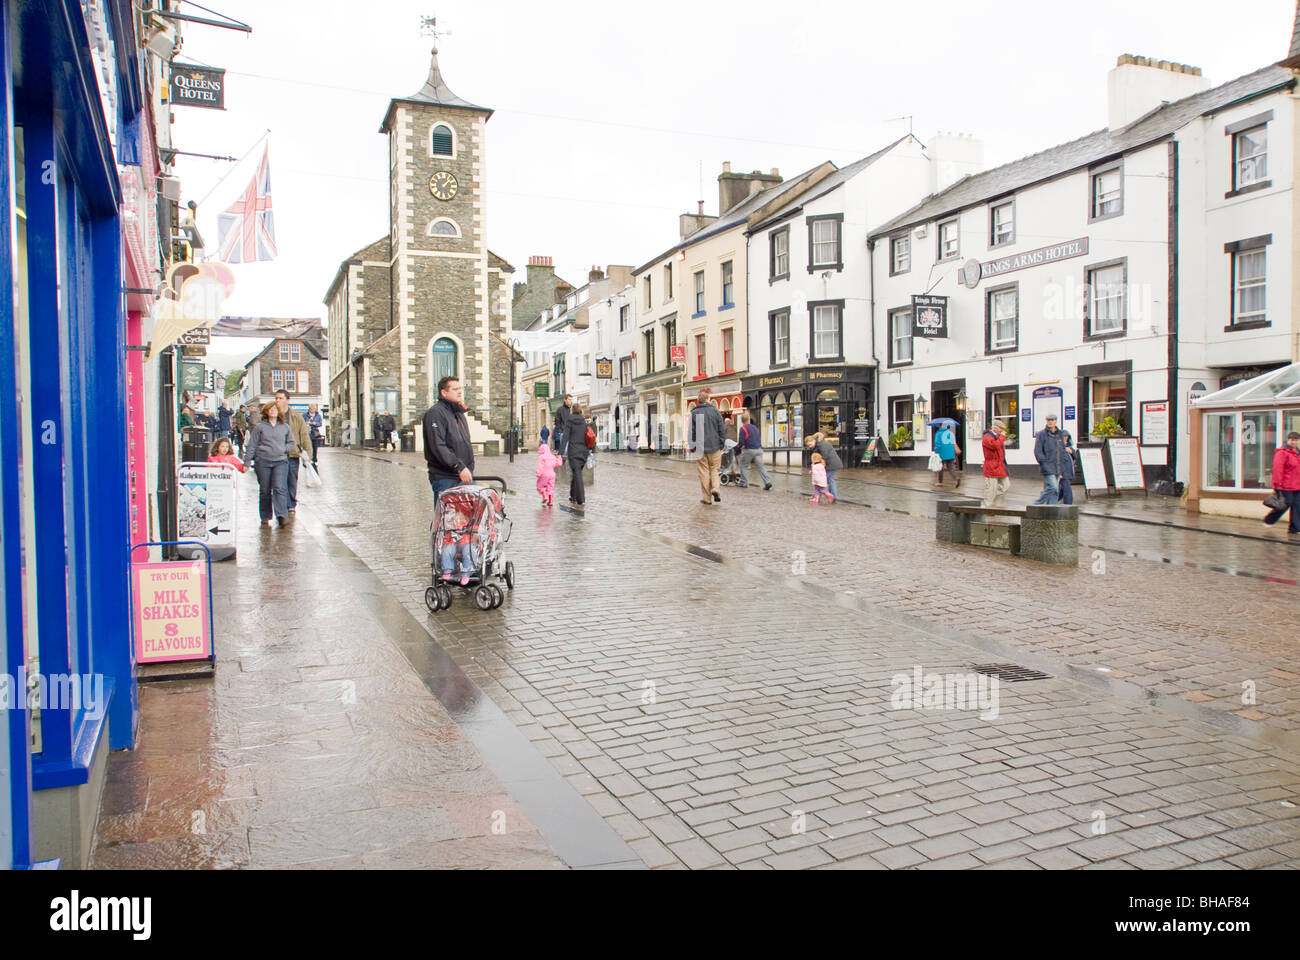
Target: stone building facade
x,y
448,296
360,312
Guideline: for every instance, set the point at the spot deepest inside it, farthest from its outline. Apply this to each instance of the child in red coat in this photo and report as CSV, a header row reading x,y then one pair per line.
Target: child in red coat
x,y
223,452
547,463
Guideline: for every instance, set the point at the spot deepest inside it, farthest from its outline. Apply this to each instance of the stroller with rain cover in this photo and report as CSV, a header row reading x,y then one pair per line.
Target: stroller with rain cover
x,y
470,528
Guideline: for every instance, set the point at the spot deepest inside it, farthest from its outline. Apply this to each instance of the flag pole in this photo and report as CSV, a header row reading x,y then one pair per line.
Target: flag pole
x,y
246,155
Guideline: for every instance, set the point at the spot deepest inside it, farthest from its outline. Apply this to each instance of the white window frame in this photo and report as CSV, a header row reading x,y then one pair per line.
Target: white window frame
x,y
1239,287
728,333
996,345
1113,408
949,230
900,254
729,283
1101,199
781,253
834,312
780,344
699,293
290,351
819,247
1002,231
904,313
1256,162
1238,453
455,227
1115,296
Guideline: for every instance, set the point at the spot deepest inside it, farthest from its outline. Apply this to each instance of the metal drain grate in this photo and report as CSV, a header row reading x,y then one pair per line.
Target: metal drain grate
x,y
1010,672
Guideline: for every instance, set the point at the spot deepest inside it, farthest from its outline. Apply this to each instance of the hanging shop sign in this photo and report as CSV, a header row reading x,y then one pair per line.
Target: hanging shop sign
x,y
677,353
1155,423
604,368
198,86
542,389
195,337
1126,463
1023,261
930,317
193,377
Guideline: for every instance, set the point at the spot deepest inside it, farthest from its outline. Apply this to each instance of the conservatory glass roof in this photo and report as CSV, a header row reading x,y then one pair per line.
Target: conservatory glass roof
x,y
1280,387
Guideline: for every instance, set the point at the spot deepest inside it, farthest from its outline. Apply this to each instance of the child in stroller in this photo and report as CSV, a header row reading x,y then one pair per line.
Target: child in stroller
x,y
460,536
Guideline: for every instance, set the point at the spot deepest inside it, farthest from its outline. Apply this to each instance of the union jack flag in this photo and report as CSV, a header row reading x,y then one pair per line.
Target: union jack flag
x,y
247,229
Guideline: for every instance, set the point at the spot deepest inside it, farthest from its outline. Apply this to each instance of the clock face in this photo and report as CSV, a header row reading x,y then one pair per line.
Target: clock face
x,y
443,185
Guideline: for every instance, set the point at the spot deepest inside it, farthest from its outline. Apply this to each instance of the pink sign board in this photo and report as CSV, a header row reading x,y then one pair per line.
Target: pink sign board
x,y
171,612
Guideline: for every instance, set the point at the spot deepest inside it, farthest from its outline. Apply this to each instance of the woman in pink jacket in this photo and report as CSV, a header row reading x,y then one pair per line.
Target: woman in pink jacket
x,y
1286,482
546,464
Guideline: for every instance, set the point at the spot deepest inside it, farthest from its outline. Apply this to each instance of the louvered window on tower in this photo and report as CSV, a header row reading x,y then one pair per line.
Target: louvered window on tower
x,y
442,140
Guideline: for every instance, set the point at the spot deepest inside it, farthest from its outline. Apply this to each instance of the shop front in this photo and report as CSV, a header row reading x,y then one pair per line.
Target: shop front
x,y
64,434
793,405
662,426
626,422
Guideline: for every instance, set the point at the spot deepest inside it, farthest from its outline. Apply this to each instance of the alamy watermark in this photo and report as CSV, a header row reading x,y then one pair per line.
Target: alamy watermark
x,y
919,690
56,691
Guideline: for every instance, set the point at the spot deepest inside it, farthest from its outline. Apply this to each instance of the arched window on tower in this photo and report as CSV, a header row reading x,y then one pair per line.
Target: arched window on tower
x,y
444,360
443,141
444,227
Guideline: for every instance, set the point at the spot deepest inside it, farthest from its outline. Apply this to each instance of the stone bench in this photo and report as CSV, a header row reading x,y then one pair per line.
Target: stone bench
x,y
1049,534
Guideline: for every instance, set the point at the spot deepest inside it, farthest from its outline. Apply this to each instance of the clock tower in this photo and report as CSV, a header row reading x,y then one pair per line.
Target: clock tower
x,y
449,293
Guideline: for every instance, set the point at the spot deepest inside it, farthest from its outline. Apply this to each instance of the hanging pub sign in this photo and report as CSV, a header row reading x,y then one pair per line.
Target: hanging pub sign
x,y
677,353
198,87
604,368
930,317
193,377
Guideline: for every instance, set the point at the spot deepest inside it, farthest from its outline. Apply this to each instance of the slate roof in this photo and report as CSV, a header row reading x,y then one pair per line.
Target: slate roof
x,y
1156,125
1293,59
833,182
736,215
435,91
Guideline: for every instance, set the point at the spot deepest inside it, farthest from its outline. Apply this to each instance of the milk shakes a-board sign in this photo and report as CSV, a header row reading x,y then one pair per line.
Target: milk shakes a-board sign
x,y
193,86
172,616
930,317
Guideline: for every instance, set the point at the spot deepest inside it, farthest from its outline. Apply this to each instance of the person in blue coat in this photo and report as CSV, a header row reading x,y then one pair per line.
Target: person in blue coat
x,y
945,445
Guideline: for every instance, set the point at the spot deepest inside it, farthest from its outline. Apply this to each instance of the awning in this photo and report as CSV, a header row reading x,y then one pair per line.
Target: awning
x,y
1277,388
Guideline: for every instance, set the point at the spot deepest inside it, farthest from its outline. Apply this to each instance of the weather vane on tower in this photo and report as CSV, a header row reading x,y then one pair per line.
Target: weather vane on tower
x,y
429,28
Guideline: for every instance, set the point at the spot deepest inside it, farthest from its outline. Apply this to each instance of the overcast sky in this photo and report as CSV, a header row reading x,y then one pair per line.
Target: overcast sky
x,y
610,115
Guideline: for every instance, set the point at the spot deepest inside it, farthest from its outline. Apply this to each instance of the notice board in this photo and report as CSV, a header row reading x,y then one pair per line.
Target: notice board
x,y
1126,463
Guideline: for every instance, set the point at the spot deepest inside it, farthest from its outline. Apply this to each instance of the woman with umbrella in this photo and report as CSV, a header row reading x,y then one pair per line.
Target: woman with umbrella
x,y
945,447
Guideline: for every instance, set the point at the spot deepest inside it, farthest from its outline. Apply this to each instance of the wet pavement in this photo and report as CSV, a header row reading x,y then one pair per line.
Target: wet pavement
x,y
318,744
721,683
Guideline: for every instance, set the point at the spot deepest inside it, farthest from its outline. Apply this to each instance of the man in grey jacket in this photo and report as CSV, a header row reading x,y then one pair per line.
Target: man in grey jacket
x,y
706,440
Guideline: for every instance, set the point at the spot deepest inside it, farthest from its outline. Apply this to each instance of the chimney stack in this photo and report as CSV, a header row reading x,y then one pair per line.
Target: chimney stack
x,y
735,187
1138,85
595,274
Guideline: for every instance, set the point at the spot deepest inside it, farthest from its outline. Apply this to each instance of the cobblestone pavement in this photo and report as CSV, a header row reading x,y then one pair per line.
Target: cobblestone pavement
x,y
720,682
315,746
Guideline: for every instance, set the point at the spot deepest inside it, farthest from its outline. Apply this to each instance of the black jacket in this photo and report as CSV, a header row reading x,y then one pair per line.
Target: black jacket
x,y
561,427
447,449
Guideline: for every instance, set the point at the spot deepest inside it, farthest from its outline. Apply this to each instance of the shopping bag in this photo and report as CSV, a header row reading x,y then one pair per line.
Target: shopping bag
x,y
1275,502
591,461
935,463
309,475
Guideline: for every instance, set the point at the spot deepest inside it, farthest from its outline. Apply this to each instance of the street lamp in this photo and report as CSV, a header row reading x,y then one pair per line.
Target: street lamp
x,y
961,399
922,406
512,434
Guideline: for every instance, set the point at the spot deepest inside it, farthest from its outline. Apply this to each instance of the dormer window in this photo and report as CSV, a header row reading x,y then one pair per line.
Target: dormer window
x,y
290,352
443,141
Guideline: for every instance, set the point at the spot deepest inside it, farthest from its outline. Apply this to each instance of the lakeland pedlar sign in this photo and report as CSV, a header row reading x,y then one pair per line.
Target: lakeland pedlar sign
x,y
1023,261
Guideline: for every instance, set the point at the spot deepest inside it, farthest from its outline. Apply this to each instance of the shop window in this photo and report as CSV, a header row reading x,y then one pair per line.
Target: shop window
x,y
782,416
1108,397
900,336
728,350
1106,296
1239,449
780,336
1002,320
701,369
1004,407
900,423
828,416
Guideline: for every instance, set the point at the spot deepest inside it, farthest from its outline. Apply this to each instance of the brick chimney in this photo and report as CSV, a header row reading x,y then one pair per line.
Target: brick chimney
x,y
735,187
1138,85
689,223
595,274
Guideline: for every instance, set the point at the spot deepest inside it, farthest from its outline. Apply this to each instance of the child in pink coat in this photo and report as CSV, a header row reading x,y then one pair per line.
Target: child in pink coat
x,y
819,481
547,462
223,452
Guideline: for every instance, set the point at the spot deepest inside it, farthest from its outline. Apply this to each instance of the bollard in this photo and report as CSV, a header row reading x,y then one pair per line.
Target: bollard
x,y
1050,534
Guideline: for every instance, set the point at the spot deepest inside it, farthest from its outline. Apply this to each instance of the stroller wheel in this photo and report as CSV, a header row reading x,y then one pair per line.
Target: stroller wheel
x,y
484,598
444,595
498,596
510,574
432,600
724,479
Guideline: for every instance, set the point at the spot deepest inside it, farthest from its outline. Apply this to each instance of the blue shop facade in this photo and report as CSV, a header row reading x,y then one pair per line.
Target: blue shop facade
x,y
73,107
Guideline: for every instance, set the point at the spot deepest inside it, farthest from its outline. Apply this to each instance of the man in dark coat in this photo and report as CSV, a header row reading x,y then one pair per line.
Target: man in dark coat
x,y
447,448
560,433
1049,451
706,441
576,425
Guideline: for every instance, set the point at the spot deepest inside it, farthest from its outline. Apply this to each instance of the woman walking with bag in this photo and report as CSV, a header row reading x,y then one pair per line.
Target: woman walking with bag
x,y
268,451
575,429
1286,484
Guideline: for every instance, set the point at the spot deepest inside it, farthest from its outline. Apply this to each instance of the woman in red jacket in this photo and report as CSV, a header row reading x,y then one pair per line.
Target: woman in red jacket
x,y
996,483
1286,482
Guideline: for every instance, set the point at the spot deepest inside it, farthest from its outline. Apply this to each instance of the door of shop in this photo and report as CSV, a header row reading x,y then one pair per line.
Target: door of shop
x,y
652,426
943,403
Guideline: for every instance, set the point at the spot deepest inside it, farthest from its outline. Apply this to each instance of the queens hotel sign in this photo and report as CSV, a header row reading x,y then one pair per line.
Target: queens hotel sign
x,y
198,87
974,271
